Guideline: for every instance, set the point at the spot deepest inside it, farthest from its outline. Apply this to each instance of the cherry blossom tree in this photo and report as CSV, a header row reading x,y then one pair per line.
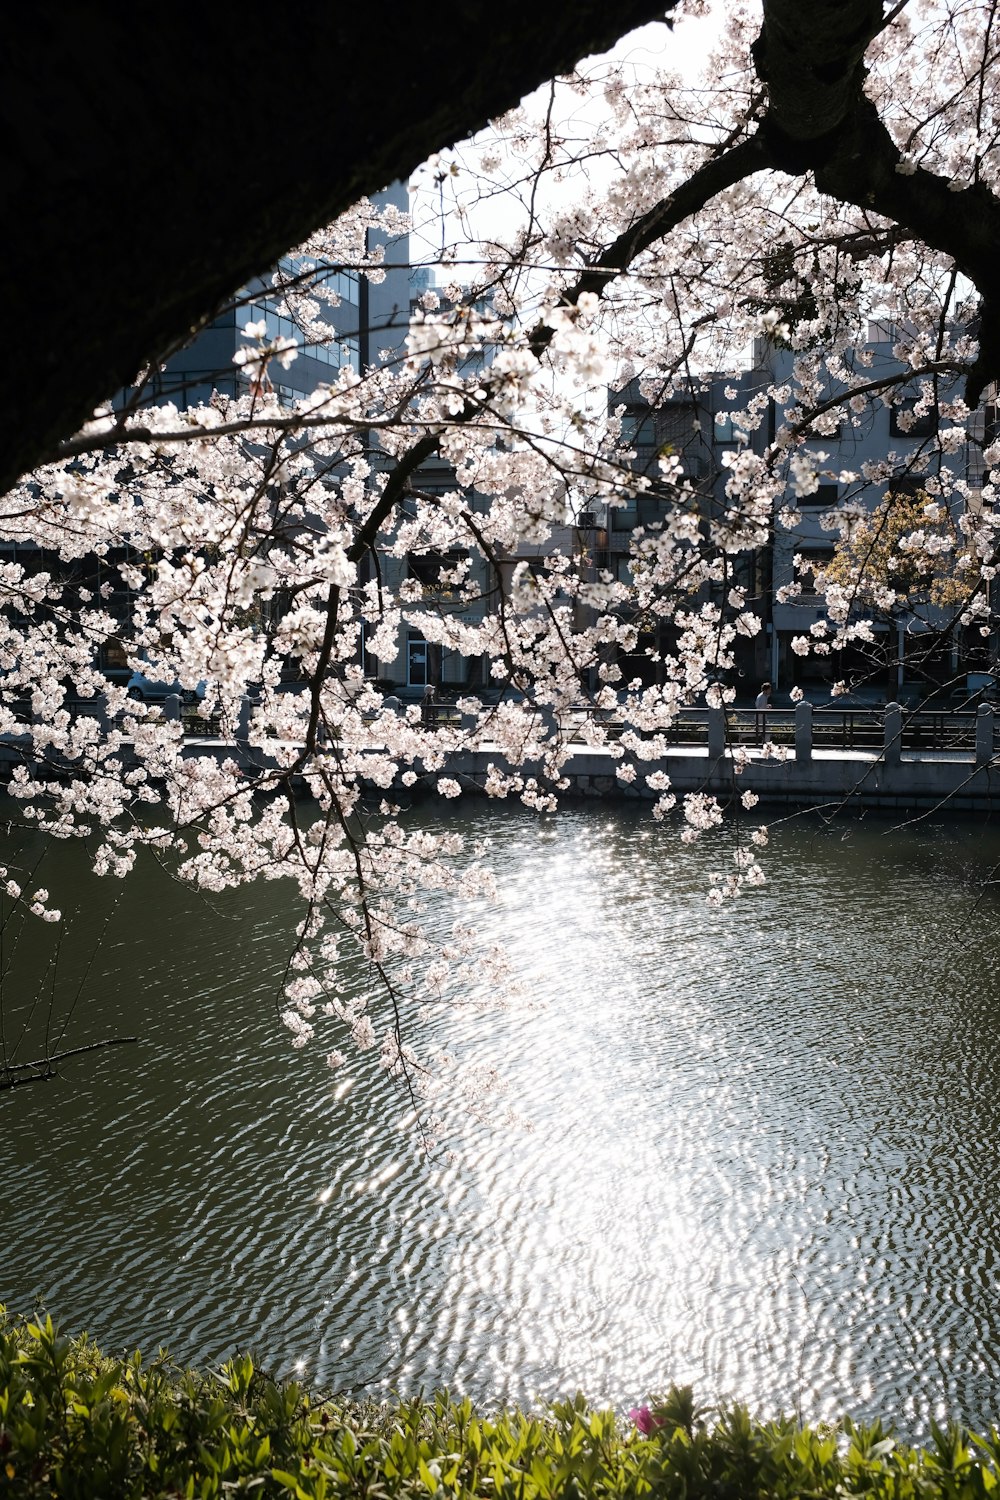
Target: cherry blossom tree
x,y
835,165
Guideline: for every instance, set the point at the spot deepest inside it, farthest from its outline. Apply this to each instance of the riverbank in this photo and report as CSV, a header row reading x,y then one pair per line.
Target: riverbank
x,y
834,759
75,1422
842,780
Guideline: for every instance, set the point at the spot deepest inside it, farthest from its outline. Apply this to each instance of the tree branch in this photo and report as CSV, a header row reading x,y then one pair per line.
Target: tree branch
x,y
41,1068
819,119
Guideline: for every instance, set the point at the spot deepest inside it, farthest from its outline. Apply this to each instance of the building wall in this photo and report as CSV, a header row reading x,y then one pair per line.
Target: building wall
x,y
370,317
867,438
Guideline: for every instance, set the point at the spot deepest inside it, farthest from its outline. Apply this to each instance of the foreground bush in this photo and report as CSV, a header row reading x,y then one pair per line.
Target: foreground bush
x,y
75,1423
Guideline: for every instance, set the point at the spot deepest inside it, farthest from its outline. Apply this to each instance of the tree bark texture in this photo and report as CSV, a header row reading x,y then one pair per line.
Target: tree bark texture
x,y
818,118
156,159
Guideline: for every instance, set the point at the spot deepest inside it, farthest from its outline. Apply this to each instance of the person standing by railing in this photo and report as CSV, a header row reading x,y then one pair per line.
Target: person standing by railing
x,y
762,703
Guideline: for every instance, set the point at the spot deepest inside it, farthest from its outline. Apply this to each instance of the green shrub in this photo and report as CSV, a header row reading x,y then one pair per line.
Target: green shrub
x,y
75,1423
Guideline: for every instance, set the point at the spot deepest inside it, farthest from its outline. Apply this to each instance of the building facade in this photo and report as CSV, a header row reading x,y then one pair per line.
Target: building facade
x,y
865,461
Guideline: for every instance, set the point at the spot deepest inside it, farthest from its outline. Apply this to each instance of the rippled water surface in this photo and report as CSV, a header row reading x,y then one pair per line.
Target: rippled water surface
x,y
763,1154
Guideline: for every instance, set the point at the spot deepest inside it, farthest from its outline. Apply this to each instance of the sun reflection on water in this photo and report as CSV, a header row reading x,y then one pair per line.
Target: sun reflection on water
x,y
758,1149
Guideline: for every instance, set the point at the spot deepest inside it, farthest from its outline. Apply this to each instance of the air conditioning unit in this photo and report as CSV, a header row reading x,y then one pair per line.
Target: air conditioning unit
x,y
586,521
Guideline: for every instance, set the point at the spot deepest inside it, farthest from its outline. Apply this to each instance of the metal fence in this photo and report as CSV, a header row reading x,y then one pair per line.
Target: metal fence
x,y
844,729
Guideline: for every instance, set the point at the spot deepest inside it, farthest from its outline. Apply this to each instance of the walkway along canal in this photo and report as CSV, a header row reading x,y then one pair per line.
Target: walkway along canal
x,y
891,758
801,758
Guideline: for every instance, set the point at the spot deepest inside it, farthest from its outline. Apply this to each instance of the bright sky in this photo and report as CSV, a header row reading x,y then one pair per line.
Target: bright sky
x,y
681,48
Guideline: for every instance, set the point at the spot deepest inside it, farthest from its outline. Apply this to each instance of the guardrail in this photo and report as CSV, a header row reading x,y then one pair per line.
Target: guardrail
x,y
891,730
887,732
200,726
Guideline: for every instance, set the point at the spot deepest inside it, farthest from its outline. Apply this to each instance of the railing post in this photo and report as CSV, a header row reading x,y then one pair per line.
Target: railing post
x,y
548,722
984,734
893,734
716,733
803,731
94,708
241,732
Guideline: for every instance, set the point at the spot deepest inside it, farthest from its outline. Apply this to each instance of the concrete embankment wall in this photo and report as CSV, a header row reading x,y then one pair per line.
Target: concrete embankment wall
x,y
798,774
916,781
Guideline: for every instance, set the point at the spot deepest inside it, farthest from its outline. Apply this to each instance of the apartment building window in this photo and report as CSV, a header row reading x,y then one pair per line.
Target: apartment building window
x,y
678,431
624,518
674,425
651,510
824,498
417,662
903,423
427,567
814,560
905,484
341,349
638,432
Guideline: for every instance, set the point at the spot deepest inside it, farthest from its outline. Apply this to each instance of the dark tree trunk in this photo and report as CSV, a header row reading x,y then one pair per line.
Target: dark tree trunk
x,y
155,159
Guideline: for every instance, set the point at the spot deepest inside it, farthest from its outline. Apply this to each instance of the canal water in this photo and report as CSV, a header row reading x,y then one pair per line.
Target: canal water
x,y
760,1149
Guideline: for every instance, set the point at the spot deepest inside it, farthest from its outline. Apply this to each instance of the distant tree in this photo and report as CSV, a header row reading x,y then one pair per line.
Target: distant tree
x,y
909,552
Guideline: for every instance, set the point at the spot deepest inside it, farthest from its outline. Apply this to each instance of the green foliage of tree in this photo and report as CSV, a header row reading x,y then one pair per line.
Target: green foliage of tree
x,y
884,556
